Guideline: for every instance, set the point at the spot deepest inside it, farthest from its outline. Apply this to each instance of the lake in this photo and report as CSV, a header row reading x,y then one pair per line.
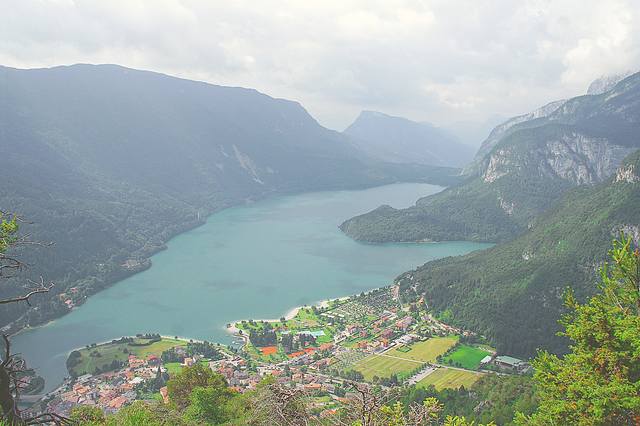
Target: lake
x,y
248,262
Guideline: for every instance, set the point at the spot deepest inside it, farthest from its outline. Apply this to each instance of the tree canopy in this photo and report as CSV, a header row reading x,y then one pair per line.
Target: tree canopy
x,y
598,382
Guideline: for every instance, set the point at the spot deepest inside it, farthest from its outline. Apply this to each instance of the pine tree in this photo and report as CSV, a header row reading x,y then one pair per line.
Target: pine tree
x,y
598,382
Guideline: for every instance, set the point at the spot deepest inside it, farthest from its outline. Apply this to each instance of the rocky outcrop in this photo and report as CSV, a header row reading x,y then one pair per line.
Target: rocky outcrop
x,y
627,174
507,206
606,83
584,160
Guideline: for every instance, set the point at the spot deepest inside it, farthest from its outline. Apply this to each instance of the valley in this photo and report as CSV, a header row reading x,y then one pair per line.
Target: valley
x,y
201,282
277,216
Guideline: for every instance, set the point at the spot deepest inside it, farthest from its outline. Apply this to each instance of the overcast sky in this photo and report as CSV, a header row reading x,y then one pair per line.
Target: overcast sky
x,y
438,61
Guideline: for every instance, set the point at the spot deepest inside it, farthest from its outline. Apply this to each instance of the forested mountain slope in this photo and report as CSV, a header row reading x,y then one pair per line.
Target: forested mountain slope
x,y
399,140
109,162
524,166
512,293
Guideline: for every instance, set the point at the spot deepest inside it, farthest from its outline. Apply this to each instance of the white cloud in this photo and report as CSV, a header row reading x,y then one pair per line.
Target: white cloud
x,y
439,61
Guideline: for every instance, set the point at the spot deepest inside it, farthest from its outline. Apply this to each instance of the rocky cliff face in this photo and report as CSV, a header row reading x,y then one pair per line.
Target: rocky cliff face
x,y
501,131
574,157
522,169
604,100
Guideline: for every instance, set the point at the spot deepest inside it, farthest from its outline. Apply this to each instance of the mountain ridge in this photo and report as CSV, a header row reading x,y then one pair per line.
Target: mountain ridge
x,y
516,288
110,162
578,141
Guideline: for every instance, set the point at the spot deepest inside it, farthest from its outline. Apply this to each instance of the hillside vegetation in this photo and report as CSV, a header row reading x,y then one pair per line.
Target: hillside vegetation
x,y
513,292
110,162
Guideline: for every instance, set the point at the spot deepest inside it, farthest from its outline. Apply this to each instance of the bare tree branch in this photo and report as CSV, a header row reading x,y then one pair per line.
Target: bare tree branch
x,y
42,288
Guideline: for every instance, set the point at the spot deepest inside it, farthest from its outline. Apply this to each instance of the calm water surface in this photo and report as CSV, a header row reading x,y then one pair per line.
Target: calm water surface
x,y
253,261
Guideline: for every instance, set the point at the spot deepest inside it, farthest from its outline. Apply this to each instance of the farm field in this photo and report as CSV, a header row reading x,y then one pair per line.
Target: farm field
x,y
465,356
384,366
426,351
444,378
102,356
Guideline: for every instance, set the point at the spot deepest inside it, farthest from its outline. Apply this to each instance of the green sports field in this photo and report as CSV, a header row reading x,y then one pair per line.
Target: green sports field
x,y
444,378
384,366
426,351
466,357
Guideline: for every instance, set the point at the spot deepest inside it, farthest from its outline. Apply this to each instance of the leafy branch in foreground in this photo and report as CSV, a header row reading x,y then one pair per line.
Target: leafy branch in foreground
x,y
598,382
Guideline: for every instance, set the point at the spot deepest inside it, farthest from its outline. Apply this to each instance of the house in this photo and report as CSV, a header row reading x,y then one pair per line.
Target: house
x,y
117,402
135,362
386,334
404,323
313,387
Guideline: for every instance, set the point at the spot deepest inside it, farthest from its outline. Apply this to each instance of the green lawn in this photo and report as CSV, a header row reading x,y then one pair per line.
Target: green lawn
x,y
426,351
175,367
466,357
383,366
155,348
449,378
109,352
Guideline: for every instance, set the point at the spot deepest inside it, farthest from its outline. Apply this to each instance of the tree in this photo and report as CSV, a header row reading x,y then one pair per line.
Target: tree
x,y
274,404
209,404
12,367
196,376
598,382
148,414
461,421
86,414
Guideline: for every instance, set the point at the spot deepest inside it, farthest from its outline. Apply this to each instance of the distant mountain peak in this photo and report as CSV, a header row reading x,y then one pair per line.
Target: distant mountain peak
x,y
400,140
605,83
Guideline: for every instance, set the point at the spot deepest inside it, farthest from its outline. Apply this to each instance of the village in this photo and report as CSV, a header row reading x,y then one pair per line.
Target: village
x,y
370,338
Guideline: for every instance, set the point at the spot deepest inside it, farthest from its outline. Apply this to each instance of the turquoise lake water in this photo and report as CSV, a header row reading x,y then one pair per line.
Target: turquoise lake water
x,y
252,261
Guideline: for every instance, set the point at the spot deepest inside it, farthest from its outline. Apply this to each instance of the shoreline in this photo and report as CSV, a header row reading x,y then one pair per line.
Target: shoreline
x,y
186,227
291,314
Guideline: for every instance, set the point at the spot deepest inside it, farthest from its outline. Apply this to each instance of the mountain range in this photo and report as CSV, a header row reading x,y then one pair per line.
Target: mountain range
x,y
521,169
110,162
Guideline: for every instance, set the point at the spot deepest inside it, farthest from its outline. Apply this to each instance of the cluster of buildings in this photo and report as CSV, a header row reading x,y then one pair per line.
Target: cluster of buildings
x,y
506,363
109,391
304,370
237,373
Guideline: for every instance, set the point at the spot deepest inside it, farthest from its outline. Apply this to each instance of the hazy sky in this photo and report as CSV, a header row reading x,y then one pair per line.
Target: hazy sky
x,y
439,61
